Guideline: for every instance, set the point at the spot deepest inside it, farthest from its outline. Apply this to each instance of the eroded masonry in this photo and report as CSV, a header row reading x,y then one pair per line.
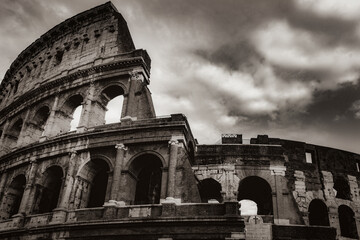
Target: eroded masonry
x,y
146,177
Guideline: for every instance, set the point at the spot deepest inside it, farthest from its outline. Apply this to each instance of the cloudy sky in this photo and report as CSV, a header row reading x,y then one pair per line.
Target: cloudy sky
x,y
289,69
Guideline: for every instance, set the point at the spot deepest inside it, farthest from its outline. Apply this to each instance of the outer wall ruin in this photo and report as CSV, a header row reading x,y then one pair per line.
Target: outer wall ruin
x,y
146,177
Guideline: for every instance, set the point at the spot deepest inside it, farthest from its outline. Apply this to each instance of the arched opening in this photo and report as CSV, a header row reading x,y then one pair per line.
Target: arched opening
x,y
11,137
210,189
248,207
341,185
69,115
48,191
318,213
41,116
12,198
36,129
92,184
145,178
76,118
347,222
258,190
113,100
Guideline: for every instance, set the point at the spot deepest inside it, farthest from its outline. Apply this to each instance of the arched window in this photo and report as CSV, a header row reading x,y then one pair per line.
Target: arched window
x,y
68,116
147,170
39,121
12,198
258,190
341,185
347,222
48,191
210,189
76,118
318,213
41,116
12,135
113,100
93,179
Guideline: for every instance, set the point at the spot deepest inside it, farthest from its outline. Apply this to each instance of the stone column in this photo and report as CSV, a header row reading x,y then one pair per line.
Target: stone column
x,y
172,169
119,161
279,209
69,181
3,179
29,191
2,138
48,129
21,137
87,107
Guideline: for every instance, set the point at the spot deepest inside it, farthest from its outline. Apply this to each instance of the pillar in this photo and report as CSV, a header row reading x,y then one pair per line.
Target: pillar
x,y
119,161
2,138
21,137
172,169
69,181
48,129
29,192
279,208
3,179
87,107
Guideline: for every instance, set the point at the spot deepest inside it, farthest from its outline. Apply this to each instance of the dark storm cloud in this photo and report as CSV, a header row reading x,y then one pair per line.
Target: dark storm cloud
x,y
328,105
225,55
332,30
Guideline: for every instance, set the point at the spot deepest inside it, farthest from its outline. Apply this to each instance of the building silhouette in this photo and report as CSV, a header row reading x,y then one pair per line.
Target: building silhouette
x,y
146,177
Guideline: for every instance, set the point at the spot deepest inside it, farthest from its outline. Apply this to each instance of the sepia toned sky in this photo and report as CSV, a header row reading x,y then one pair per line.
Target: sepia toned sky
x,y
289,69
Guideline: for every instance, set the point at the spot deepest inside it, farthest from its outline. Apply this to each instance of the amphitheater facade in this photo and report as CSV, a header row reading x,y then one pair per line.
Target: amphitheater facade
x,y
146,177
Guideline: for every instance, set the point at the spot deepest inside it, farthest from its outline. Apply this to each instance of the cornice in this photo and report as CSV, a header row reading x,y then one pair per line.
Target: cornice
x,y
97,132
28,98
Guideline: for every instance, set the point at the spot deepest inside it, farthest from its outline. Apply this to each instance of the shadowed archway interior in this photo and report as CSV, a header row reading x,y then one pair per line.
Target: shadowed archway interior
x,y
258,190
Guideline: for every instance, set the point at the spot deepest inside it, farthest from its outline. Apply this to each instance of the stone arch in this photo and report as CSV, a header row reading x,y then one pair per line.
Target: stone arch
x,y
257,189
12,198
12,135
65,114
150,152
209,189
143,179
48,190
36,126
110,93
342,187
92,184
318,213
347,222
97,156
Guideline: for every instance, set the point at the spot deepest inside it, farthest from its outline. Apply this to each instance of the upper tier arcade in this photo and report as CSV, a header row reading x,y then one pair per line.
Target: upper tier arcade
x,y
84,61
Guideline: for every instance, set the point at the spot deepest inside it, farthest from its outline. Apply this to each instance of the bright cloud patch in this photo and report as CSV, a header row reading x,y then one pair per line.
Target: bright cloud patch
x,y
299,49
348,9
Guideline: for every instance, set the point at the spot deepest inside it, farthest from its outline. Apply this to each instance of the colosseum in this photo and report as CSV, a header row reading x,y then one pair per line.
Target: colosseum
x,y
147,177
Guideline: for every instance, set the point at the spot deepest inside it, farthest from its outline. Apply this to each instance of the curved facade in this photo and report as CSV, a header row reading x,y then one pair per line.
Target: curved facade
x,y
146,177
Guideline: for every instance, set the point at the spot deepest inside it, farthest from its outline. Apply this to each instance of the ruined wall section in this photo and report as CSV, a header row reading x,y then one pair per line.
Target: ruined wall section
x,y
230,164
320,173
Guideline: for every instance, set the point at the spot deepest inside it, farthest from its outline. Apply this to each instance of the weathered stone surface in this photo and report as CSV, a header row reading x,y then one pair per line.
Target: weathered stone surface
x,y
145,177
